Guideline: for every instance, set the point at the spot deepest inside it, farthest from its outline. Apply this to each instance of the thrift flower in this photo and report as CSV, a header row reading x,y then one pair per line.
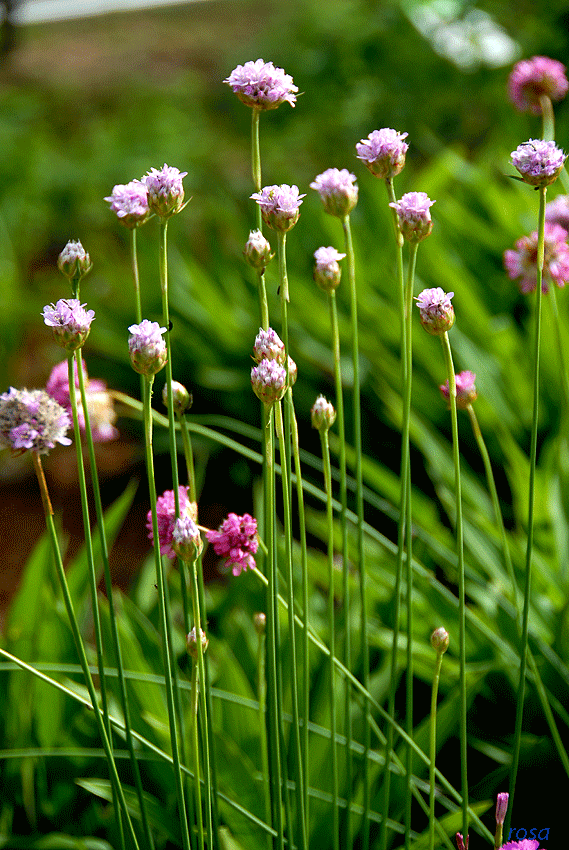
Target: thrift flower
x,y
262,86
557,211
268,380
538,161
440,640
520,262
102,415
268,346
465,389
182,399
237,541
327,273
502,808
32,419
165,190
71,323
413,212
533,78
280,206
166,515
192,643
525,844
322,414
461,843
338,191
186,538
257,251
130,203
437,313
147,347
74,261
383,152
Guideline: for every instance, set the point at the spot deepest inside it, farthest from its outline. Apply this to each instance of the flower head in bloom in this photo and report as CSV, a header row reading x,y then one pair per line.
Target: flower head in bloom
x,y
280,206
165,191
437,312
525,844
327,271
166,515
533,78
262,86
414,214
147,347
268,346
186,538
32,419
237,541
74,261
520,262
268,380
538,161
501,807
383,152
465,389
338,191
440,640
130,203
257,251
557,211
70,321
322,414
102,415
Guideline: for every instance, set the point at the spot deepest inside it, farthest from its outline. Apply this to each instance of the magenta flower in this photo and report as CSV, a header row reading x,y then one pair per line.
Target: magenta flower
x,y
557,211
268,380
130,203
327,273
147,347
461,843
102,415
538,161
338,191
465,389
521,261
268,346
534,78
501,807
32,420
280,206
70,321
525,844
383,152
237,541
262,86
74,261
165,190
413,212
436,310
166,515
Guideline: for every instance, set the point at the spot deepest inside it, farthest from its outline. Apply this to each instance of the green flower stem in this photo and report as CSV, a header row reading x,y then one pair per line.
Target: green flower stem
x,y
189,457
357,437
460,558
262,699
115,780
164,619
531,500
560,348
547,118
135,275
433,747
112,614
196,750
256,172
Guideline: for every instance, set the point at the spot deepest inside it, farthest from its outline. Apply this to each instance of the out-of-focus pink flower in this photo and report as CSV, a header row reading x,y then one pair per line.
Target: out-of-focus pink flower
x,y
237,541
102,415
166,516
520,262
533,78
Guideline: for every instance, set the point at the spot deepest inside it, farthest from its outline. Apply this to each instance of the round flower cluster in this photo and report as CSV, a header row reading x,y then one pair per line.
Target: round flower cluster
x,y
257,251
165,191
338,191
32,419
538,161
130,203
520,262
436,310
147,347
262,86
102,415
327,273
322,414
383,152
74,261
236,540
280,206
534,78
465,389
70,321
166,516
414,215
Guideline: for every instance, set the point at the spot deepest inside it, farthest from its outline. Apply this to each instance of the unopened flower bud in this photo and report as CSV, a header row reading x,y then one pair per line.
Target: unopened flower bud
x,y
437,312
74,262
186,539
268,380
260,622
147,347
181,398
501,807
465,389
322,414
257,251
292,372
192,644
327,273
461,843
440,640
268,346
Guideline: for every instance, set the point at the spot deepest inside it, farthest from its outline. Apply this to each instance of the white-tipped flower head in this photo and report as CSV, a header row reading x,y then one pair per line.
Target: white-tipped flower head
x,y
262,86
130,203
268,380
383,152
322,414
192,643
71,323
338,191
440,640
437,312
32,420
414,215
186,539
74,261
260,622
165,190
465,389
147,347
502,807
268,346
257,251
182,399
327,272
538,161
280,206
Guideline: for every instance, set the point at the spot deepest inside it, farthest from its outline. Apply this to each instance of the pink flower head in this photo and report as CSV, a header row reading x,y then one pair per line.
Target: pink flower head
x,y
237,541
436,310
338,191
268,346
280,206
557,211
465,389
525,844
538,161
533,78
74,261
257,251
130,203
70,321
165,190
268,380
521,261
32,419
102,415
147,347
501,807
383,152
166,515
414,214
461,843
327,273
262,86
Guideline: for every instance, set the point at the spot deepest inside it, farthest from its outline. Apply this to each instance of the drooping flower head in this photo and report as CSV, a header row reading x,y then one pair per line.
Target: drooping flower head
x,y
186,538
327,272
74,261
533,78
538,161
322,414
525,844
102,415
414,215
32,419
436,310
237,541
268,380
383,152
130,202
262,86
147,347
520,262
465,389
501,807
338,191
257,251
70,321
440,640
165,190
280,206
166,515
268,346
557,211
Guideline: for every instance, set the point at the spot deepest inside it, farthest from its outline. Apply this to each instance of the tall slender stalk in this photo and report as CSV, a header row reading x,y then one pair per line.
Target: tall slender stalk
x,y
439,641
256,172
